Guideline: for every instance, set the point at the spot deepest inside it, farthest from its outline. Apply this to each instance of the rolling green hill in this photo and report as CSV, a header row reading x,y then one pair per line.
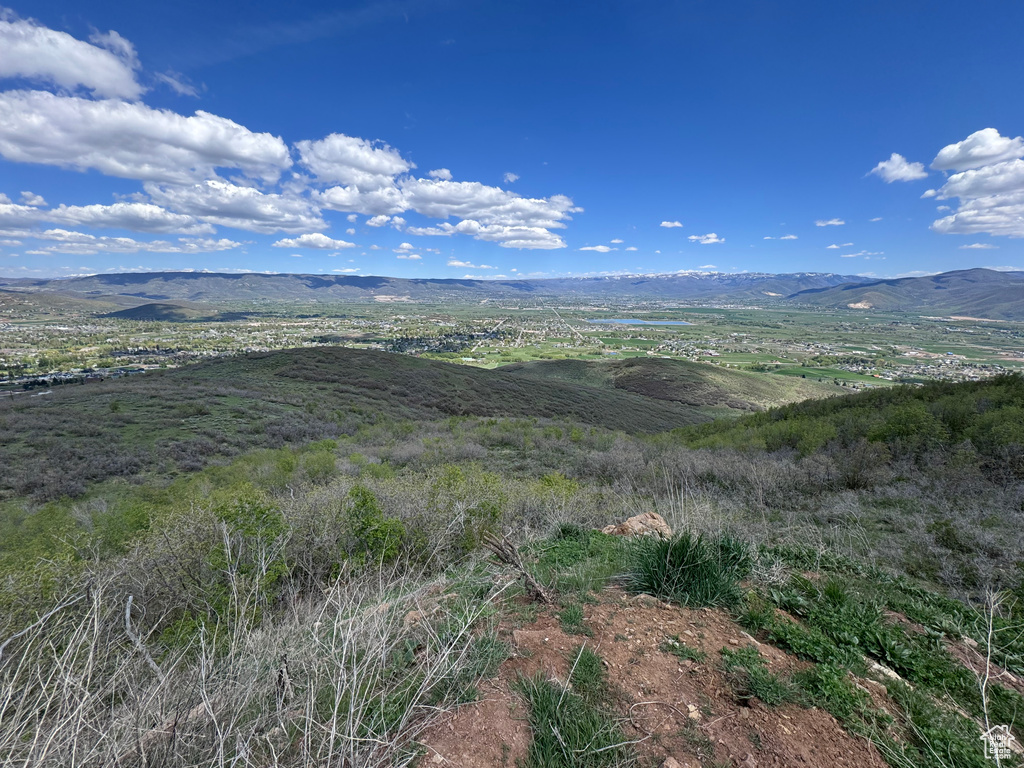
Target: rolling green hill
x,y
165,312
698,385
166,421
25,304
982,293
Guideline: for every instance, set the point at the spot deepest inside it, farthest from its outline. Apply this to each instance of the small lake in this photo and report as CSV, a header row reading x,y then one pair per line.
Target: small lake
x,y
627,321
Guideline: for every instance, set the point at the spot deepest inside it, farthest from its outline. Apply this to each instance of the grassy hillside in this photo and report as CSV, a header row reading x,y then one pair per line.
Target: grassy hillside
x,y
305,601
165,312
60,442
984,418
24,304
680,381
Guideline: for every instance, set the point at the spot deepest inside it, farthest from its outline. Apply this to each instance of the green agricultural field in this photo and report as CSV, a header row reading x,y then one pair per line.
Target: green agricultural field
x,y
830,373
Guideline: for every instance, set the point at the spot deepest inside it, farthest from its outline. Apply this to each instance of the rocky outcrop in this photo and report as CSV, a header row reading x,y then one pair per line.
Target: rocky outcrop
x,y
646,524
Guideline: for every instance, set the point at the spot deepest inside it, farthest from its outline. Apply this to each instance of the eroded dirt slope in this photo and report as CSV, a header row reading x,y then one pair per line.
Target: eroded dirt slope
x,y
681,710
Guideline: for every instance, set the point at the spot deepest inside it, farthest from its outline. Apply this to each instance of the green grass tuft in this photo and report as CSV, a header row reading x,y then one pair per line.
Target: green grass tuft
x,y
672,644
588,678
748,673
688,569
568,732
571,619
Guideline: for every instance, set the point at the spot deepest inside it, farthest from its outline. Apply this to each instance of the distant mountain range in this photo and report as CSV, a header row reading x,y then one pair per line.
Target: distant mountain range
x,y
220,287
973,292
982,293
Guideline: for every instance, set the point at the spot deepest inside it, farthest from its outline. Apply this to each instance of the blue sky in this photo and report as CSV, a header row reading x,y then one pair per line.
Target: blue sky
x,y
445,138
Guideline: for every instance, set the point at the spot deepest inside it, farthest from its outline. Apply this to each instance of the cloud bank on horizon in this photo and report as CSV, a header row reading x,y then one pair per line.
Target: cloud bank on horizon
x,y
85,107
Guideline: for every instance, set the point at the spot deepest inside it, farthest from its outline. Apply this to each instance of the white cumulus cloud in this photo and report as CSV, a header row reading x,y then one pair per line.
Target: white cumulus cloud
x,y
979,247
990,188
384,201
983,147
14,216
671,224
829,223
81,243
220,202
709,239
315,240
478,202
349,160
510,178
31,198
467,265
990,180
131,141
896,168
37,53
598,248
138,217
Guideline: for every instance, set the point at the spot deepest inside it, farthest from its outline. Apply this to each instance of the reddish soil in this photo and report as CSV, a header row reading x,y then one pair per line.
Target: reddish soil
x,y
680,709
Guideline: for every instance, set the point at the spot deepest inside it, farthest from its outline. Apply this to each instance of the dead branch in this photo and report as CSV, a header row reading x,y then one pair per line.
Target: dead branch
x,y
507,553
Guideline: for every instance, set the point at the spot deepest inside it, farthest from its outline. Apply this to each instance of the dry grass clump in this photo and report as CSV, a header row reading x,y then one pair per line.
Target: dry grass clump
x,y
348,677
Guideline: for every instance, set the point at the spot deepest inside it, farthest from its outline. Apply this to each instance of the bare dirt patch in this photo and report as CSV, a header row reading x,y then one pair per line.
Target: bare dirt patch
x,y
491,732
684,709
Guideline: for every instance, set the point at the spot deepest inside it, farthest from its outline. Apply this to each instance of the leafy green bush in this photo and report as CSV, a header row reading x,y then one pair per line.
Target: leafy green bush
x,y
469,496
830,687
379,538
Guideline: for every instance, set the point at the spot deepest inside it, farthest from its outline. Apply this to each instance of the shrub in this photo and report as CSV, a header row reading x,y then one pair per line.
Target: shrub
x,y
378,538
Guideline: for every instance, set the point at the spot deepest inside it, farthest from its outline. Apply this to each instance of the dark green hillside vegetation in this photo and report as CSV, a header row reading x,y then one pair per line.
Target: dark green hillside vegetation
x,y
680,381
184,419
279,557
971,422
165,313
